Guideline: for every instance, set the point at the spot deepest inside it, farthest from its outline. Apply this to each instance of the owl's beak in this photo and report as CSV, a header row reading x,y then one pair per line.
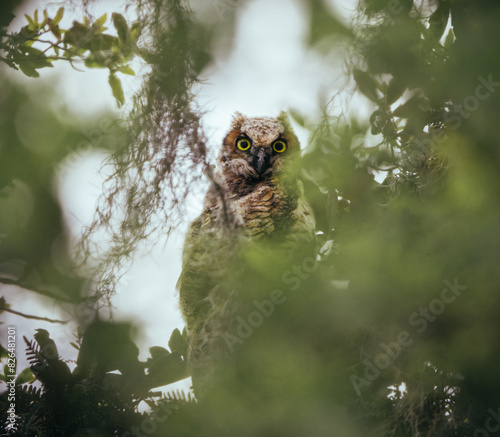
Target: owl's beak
x,y
261,161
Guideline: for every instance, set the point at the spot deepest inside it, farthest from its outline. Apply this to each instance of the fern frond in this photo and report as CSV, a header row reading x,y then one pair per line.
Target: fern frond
x,y
32,390
33,353
180,396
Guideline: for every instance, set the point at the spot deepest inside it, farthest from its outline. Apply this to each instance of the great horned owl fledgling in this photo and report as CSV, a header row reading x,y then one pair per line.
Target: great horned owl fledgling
x,y
254,197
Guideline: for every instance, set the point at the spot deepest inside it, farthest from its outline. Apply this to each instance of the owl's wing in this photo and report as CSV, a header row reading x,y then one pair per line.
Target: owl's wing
x,y
196,279
301,235
205,298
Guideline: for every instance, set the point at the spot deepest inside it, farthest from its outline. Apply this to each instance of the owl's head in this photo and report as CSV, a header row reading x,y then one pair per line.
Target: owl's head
x,y
256,148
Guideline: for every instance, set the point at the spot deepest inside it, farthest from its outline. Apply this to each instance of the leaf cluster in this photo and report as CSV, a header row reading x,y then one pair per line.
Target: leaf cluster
x,y
42,41
102,393
404,51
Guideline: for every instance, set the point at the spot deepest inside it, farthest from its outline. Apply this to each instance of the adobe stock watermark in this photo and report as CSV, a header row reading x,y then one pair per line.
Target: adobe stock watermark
x,y
460,111
265,308
472,102
10,375
491,424
420,321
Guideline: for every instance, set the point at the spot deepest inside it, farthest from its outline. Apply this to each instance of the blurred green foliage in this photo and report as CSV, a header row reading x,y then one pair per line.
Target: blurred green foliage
x,y
394,330
39,146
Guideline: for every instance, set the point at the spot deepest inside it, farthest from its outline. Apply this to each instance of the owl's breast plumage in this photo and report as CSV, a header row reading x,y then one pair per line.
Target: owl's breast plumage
x,y
263,208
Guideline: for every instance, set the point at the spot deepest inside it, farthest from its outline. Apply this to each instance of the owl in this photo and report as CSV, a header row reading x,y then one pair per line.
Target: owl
x,y
255,203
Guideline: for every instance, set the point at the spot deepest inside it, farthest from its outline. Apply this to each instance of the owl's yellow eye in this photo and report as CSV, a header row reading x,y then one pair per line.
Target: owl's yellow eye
x,y
279,146
243,144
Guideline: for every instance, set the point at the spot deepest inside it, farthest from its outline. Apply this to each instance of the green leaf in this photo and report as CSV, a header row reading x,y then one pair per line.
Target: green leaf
x,y
158,352
101,20
56,32
395,90
58,17
177,342
414,107
45,19
166,369
116,88
28,69
366,84
450,39
102,42
28,43
31,51
121,26
25,376
438,21
125,69
78,35
135,32
32,27
35,57
30,20
74,51
74,345
41,62
92,62
100,60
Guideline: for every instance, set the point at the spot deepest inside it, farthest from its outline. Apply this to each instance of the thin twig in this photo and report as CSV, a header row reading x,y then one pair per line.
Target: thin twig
x,y
29,316
46,293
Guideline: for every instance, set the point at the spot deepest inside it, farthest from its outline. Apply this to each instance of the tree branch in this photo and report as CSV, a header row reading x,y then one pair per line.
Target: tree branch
x,y
29,316
46,293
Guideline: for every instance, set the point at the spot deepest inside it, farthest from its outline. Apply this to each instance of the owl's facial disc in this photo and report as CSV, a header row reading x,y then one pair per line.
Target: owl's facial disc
x,y
261,160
